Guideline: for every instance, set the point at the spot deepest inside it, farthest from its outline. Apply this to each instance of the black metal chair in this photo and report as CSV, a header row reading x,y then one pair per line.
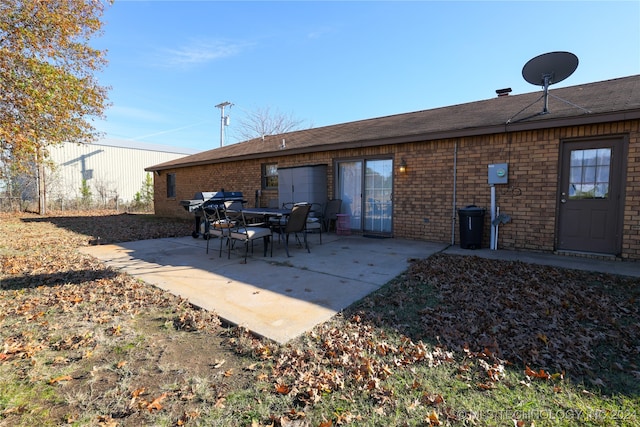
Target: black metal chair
x,y
314,219
331,209
296,223
244,231
216,224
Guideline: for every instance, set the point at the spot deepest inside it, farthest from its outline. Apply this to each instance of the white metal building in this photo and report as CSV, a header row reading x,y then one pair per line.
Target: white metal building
x,y
110,167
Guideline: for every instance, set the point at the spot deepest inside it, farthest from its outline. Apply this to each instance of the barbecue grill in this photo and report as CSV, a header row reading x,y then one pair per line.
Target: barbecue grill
x,y
208,200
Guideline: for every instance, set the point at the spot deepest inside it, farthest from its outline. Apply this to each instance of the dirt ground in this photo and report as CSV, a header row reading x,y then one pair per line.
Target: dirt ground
x,y
109,344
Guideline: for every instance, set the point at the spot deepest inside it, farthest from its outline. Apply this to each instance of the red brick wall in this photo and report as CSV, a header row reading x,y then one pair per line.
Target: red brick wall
x,y
423,196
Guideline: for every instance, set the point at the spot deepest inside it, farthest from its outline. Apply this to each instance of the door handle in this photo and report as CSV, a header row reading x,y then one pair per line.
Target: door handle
x,y
563,200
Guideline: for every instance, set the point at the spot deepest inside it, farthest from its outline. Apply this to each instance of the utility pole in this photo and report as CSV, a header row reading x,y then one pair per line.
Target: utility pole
x,y
224,120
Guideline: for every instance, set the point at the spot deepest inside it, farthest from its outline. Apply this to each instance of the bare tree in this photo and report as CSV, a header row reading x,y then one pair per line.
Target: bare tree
x,y
263,121
105,189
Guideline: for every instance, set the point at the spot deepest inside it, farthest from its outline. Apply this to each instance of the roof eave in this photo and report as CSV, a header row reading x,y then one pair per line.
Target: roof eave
x,y
548,122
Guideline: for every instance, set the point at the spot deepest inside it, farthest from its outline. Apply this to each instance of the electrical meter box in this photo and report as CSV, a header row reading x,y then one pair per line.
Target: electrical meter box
x,y
499,173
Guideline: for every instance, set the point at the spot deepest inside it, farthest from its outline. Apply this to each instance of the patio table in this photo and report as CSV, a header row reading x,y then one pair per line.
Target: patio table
x,y
265,213
270,216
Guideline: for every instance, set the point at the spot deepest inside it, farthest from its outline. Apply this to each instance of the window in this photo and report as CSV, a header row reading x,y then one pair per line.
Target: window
x,y
171,185
589,177
270,176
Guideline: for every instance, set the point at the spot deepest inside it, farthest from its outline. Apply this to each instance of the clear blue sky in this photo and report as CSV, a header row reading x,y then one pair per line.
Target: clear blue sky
x,y
171,62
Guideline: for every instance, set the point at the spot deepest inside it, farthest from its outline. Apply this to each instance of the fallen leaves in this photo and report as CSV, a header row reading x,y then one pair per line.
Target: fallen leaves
x,y
282,388
529,314
465,314
138,400
433,419
106,421
155,404
195,320
22,345
432,399
186,417
59,307
40,283
59,379
533,374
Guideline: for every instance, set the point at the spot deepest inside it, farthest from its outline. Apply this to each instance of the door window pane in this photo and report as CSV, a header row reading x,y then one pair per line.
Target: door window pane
x,y
603,174
589,157
589,174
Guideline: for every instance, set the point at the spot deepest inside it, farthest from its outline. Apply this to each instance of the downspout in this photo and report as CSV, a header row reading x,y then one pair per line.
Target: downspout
x,y
494,228
455,176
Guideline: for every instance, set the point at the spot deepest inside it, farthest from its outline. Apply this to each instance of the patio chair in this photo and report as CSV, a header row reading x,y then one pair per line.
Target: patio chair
x,y
314,220
331,209
279,222
217,225
296,223
244,231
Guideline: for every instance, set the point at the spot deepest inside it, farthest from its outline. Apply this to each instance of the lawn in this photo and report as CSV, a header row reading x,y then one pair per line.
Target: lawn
x,y
453,341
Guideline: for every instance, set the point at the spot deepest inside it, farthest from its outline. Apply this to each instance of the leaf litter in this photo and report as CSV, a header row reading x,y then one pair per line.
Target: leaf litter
x,y
61,309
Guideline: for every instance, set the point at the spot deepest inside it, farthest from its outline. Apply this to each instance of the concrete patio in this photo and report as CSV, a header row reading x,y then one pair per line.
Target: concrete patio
x,y
281,298
276,297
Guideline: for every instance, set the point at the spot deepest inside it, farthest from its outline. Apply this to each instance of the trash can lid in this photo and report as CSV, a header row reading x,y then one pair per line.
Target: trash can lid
x,y
472,210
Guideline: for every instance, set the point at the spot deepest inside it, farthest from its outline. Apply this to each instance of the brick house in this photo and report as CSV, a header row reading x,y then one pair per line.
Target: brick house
x,y
571,182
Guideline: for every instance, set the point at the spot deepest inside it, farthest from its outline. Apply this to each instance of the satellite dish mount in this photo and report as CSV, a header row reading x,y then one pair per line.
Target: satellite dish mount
x,y
547,69
547,81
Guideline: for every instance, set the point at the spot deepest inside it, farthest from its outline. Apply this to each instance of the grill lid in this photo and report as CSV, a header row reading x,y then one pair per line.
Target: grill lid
x,y
203,199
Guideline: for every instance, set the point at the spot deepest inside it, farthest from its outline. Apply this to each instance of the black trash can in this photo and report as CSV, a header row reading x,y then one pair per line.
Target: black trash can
x,y
471,227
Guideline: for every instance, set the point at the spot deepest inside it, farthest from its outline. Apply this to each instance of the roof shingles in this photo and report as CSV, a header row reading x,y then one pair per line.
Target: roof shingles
x,y
582,102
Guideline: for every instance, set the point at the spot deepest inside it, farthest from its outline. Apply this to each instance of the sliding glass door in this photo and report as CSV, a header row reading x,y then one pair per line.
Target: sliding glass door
x,y
365,187
350,191
378,184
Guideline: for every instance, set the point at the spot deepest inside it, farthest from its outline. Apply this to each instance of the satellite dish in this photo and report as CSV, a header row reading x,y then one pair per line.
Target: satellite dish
x,y
549,68
545,70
